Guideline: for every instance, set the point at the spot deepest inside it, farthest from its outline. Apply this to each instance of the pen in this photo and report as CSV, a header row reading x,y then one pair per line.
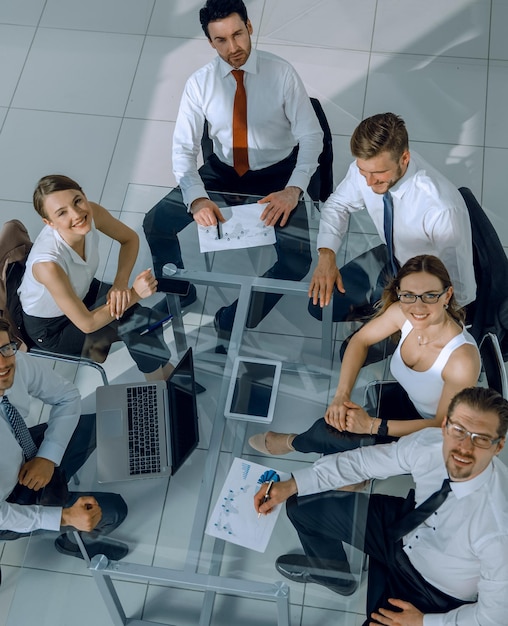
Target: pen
x,y
267,495
219,234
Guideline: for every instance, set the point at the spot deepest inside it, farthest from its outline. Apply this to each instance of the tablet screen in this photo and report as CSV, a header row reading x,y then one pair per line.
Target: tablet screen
x,y
253,389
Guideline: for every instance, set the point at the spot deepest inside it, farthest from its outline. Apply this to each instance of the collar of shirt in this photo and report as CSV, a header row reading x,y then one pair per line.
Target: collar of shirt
x,y
250,66
401,185
465,488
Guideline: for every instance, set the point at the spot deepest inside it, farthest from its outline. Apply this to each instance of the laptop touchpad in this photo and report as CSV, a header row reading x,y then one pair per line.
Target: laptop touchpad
x,y
112,424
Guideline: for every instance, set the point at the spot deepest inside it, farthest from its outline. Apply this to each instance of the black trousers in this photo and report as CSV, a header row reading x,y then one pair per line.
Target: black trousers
x,y
169,217
60,335
324,521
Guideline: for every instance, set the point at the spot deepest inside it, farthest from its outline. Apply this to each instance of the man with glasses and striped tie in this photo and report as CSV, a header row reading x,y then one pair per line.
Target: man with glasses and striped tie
x,y
36,462
415,210
442,562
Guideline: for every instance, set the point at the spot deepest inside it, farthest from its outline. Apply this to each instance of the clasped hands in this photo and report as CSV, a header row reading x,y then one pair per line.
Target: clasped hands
x,y
279,206
120,297
343,415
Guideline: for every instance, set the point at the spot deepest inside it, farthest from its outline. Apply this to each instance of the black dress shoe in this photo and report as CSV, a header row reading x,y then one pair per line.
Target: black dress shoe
x,y
223,334
299,569
112,550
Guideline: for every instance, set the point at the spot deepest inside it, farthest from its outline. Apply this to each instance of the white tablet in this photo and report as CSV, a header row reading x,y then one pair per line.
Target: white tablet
x,y
253,389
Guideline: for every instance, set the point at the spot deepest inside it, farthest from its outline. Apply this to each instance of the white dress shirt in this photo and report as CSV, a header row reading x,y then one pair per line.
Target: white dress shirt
x,y
49,246
430,217
36,380
279,117
462,549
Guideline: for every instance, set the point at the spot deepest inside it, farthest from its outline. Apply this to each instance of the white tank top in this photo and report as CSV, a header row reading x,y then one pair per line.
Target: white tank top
x,y
425,388
49,246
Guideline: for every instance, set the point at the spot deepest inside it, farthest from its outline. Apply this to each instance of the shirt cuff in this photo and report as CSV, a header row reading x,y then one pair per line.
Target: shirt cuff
x,y
51,516
298,179
328,241
306,481
433,619
193,193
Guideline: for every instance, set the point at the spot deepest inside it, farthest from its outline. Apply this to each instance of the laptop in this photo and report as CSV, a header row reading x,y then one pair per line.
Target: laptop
x,y
149,429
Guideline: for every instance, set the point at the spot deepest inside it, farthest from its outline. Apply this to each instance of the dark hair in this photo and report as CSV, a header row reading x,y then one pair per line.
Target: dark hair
x,y
5,327
48,185
422,263
218,10
485,400
385,132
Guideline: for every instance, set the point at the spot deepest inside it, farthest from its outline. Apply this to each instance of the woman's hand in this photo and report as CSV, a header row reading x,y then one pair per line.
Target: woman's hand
x,y
118,300
336,412
357,419
145,284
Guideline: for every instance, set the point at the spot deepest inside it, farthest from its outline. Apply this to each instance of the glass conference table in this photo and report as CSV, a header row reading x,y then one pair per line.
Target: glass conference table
x,y
175,572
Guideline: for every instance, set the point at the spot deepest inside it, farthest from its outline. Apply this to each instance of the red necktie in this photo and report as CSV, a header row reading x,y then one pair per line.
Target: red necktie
x,y
240,151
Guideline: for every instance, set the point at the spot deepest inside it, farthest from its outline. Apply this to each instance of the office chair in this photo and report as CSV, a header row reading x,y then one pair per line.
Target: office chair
x,y
489,312
15,245
493,372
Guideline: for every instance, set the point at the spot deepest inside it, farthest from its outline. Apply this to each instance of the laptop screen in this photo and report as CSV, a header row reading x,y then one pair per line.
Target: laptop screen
x,y
183,413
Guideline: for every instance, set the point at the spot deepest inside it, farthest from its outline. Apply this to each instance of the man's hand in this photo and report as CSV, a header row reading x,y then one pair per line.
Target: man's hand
x,y
408,616
36,473
280,204
206,213
84,514
279,492
325,277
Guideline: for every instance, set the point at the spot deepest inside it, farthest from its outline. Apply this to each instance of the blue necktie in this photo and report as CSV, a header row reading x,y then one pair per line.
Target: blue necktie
x,y
415,517
20,429
388,228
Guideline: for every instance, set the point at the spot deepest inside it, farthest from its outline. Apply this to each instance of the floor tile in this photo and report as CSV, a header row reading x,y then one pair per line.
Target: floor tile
x,y
142,155
454,90
459,28
114,16
55,597
496,135
341,93
161,75
23,211
462,165
311,23
15,42
27,13
498,41
89,60
58,135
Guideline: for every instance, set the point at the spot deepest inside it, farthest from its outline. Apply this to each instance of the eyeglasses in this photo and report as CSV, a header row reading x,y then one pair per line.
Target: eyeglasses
x,y
9,349
480,441
426,298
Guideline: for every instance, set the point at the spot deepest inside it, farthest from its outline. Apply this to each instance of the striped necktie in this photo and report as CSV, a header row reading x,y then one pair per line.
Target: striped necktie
x,y
20,429
240,149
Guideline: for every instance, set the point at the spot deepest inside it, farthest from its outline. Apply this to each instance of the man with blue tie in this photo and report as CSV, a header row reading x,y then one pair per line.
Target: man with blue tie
x,y
415,210
36,462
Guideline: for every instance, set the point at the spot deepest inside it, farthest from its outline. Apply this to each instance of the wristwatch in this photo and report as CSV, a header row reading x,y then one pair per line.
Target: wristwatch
x,y
382,431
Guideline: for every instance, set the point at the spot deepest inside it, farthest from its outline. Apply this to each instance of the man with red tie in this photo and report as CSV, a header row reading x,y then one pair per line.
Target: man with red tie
x,y
266,142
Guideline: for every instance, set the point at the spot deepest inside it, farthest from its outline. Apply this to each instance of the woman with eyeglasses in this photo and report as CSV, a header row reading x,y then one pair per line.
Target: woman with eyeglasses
x,y
434,359
66,309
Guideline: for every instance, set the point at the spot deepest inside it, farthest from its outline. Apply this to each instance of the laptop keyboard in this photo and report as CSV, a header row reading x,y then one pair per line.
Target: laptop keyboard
x,y
144,444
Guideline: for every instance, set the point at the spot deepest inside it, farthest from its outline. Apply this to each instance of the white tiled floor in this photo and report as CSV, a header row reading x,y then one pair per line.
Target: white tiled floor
x,y
91,89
